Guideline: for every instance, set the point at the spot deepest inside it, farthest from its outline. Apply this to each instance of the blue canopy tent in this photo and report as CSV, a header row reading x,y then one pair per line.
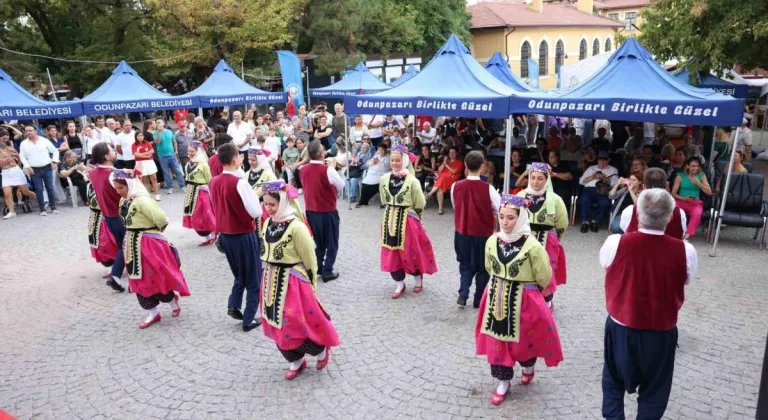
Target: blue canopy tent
x,y
409,73
18,104
223,88
126,91
499,68
710,81
633,87
358,81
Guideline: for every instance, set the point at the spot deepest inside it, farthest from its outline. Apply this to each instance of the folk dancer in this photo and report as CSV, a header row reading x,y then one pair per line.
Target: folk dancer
x,y
293,317
514,324
548,218
645,277
235,207
475,205
102,242
405,246
321,184
198,211
655,178
259,173
152,262
108,201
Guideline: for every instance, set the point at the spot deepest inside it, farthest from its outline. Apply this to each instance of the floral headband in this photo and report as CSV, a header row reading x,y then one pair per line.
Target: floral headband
x,y
515,201
126,174
540,167
278,187
399,148
195,143
255,151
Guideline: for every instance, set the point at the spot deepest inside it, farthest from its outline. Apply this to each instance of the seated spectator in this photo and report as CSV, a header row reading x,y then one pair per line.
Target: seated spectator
x,y
572,150
663,139
72,169
377,167
426,166
635,143
414,145
518,140
517,168
554,141
649,157
638,168
676,164
687,189
601,142
589,158
489,172
667,155
738,168
449,171
561,174
536,155
624,194
597,181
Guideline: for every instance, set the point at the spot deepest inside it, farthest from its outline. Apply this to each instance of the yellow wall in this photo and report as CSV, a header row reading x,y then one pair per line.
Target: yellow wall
x,y
487,42
621,13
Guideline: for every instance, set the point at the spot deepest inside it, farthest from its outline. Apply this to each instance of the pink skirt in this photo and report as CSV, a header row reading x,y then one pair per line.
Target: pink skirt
x,y
161,268
202,220
417,255
556,254
107,249
303,318
538,334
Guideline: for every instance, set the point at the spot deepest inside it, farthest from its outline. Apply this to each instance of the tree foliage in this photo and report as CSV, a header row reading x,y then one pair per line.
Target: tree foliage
x,y
708,34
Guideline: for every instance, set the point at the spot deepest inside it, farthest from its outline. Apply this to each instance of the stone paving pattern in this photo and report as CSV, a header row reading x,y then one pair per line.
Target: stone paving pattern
x,y
70,347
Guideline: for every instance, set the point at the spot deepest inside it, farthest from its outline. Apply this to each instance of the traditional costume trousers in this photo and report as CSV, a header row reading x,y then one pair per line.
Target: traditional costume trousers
x,y
325,227
307,347
506,373
115,225
470,253
399,275
637,360
154,300
242,251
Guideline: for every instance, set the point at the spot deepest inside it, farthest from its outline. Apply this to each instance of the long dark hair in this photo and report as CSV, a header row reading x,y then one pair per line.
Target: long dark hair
x,y
99,153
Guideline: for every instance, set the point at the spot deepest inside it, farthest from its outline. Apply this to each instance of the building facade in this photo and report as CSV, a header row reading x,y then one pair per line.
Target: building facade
x,y
625,11
553,34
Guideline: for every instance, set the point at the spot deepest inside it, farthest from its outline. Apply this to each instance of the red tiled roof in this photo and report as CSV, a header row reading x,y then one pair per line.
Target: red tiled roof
x,y
506,14
620,4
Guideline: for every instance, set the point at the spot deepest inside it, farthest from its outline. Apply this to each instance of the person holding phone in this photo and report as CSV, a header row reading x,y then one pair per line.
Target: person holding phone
x,y
595,180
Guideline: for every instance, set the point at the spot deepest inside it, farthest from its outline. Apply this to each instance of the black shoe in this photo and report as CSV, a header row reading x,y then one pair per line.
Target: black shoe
x,y
235,313
253,325
462,303
358,205
333,276
115,285
584,227
381,206
592,226
476,305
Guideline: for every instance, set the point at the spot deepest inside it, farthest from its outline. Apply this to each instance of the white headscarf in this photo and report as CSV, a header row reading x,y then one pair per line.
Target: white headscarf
x,y
135,186
261,159
199,156
550,204
522,227
288,207
405,159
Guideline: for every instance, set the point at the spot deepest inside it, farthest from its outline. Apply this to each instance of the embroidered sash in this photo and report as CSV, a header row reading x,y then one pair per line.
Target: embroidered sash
x,y
393,227
190,199
132,251
94,227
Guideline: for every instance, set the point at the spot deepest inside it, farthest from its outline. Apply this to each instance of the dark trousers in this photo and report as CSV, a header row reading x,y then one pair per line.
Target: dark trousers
x,y
154,300
44,176
246,165
637,360
115,225
375,141
325,227
367,192
297,178
590,196
242,251
506,373
307,347
470,253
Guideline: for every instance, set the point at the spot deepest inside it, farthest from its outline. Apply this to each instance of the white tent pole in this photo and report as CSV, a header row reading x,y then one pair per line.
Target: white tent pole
x,y
712,154
719,220
347,182
765,116
53,88
507,155
307,93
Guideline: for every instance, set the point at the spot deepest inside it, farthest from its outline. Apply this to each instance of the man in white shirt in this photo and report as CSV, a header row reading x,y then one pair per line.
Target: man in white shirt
x,y
428,134
374,123
649,132
124,147
602,173
40,160
652,178
241,134
745,139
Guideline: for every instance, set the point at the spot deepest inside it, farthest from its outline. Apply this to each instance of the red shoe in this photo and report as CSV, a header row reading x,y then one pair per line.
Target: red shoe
x,y
292,374
418,289
497,399
552,308
397,295
176,312
205,243
527,378
145,324
106,276
321,364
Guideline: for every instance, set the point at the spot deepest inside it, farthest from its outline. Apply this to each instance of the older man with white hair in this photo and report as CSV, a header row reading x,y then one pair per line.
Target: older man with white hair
x,y
645,277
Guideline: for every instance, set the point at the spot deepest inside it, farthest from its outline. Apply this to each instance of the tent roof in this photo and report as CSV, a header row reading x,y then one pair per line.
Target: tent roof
x,y
409,73
631,86
706,80
451,84
223,87
18,104
126,91
359,80
499,67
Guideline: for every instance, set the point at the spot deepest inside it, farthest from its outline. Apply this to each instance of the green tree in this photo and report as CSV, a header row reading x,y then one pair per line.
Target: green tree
x,y
708,34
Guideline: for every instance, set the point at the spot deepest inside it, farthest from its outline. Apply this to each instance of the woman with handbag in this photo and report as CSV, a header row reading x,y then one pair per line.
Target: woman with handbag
x,y
597,181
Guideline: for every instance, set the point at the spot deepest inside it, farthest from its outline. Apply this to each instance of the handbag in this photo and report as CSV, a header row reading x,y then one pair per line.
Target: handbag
x,y
355,171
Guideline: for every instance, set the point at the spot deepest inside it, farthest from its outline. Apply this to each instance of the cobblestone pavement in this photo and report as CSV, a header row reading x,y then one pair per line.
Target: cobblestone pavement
x,y
71,348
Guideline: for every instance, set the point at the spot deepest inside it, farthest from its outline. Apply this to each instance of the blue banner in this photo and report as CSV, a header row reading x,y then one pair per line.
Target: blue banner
x,y
533,73
290,69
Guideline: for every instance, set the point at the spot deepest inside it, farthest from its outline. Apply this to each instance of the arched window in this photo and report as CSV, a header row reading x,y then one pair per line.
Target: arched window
x,y
559,55
525,54
543,56
607,44
596,47
583,49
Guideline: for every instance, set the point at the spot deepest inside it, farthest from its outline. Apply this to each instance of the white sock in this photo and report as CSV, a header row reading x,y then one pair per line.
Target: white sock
x,y
322,354
549,304
297,364
211,235
502,388
528,370
151,314
417,280
173,304
400,286
118,280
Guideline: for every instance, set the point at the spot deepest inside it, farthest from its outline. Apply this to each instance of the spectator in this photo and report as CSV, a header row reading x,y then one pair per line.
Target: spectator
x,y
60,142
358,130
290,156
389,125
13,176
374,123
104,131
638,167
324,133
540,154
449,171
597,181
428,134
649,132
303,160
40,159
74,142
396,138
648,156
518,140
241,134
626,187
339,121
572,150
689,185
220,136
144,152
621,132
180,117
667,155
166,153
272,144
635,144
516,170
589,158
602,142
745,139
124,147
606,125
561,174
303,124
89,141
203,133
489,169
72,169
676,165
426,166
738,168
558,123
376,167
414,145
286,128
663,139
554,141
182,138
191,118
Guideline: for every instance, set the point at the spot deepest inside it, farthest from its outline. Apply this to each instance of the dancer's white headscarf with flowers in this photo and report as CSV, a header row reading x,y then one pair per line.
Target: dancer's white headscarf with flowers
x,y
522,227
546,170
132,179
200,155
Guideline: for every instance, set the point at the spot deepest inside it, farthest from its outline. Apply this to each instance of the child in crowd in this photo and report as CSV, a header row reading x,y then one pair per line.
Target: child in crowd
x,y
290,157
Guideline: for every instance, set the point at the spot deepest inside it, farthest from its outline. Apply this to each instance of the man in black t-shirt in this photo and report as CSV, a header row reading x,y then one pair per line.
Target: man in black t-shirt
x,y
601,143
622,131
562,175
